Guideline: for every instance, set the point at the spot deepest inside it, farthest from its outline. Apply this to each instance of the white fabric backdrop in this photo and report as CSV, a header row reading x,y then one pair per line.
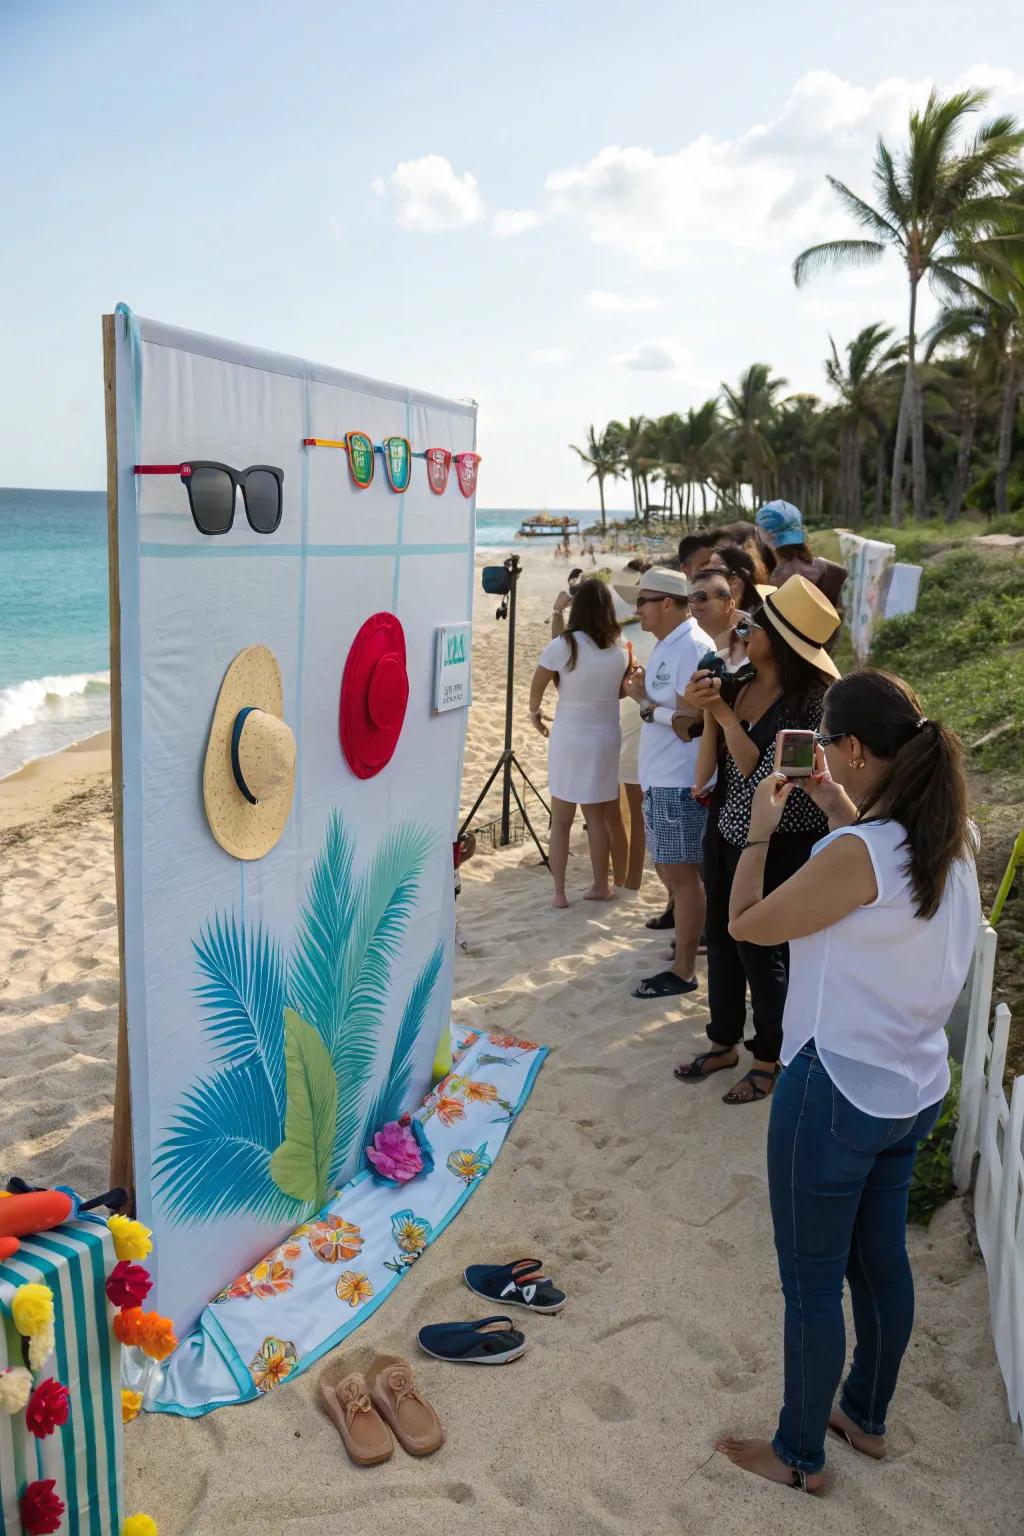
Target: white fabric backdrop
x,y
189,604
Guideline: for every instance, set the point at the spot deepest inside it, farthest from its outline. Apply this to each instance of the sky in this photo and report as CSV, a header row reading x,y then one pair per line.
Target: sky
x,y
569,213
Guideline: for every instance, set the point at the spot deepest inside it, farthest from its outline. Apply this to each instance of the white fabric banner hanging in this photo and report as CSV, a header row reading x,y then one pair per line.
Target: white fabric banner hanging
x,y
270,1001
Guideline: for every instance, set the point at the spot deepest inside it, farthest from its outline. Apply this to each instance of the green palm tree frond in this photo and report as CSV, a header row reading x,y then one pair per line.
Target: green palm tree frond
x,y
869,218
316,974
892,193
382,908
215,1157
243,997
835,254
390,1098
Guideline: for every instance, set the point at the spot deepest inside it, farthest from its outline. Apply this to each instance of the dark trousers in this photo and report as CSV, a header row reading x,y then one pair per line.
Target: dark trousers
x,y
839,1180
733,966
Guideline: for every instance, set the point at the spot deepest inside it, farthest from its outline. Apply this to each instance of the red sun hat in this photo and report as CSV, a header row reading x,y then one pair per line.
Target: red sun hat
x,y
374,696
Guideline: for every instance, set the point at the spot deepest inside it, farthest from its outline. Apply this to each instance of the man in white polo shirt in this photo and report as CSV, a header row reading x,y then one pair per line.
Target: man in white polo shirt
x,y
674,819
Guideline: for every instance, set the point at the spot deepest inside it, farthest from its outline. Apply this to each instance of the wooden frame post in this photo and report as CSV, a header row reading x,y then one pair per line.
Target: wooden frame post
x,y
122,1165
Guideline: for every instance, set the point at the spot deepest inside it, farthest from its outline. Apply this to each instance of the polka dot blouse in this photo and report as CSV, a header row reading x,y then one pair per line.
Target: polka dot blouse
x,y
801,815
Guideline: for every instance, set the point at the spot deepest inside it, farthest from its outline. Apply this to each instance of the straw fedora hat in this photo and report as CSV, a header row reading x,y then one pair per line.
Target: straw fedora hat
x,y
804,618
249,773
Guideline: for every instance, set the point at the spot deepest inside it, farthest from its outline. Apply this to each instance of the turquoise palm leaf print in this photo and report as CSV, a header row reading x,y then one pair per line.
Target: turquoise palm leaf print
x,y
252,1118
243,996
385,900
216,1158
390,1099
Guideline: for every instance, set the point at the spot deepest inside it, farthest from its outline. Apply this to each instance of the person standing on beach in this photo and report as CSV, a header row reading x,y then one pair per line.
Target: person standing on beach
x,y
589,663
674,820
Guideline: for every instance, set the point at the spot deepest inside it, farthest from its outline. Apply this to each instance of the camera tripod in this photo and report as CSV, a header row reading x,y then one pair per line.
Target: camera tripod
x,y
507,761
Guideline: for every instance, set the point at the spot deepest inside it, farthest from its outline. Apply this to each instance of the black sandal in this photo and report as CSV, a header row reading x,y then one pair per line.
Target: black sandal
x,y
665,984
666,919
693,1071
756,1093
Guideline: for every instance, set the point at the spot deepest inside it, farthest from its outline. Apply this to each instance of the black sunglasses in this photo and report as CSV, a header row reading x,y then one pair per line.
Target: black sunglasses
x,y
212,488
745,628
659,599
830,741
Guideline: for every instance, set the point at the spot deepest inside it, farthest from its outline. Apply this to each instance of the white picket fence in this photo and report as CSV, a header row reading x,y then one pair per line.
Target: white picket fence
x,y
992,1131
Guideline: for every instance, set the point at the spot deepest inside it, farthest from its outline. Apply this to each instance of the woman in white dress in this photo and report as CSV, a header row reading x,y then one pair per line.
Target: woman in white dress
x,y
589,663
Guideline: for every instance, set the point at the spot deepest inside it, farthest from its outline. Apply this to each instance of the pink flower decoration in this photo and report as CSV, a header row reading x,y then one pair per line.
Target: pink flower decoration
x,y
41,1509
395,1153
47,1408
129,1285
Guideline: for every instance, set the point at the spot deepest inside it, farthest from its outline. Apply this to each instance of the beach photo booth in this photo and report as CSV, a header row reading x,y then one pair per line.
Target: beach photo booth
x,y
291,593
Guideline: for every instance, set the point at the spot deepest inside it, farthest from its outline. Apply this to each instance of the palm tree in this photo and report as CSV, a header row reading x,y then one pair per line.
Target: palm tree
x,y
943,207
865,386
748,412
633,439
802,438
604,455
1006,293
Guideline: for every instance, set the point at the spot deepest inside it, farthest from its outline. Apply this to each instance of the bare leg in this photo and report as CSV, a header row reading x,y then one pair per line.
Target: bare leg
x,y
563,813
637,837
597,817
619,841
687,892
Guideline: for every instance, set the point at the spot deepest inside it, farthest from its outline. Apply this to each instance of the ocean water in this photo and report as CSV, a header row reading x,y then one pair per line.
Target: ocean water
x,y
54,658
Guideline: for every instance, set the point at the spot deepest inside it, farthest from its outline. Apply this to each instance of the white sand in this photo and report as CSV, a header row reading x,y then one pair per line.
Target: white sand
x,y
645,1198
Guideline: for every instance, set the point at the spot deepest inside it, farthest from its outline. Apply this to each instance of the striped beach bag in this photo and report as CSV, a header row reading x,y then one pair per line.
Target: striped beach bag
x,y
82,1458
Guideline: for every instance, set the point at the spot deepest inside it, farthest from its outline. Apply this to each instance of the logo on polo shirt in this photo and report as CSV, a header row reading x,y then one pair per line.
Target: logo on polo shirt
x,y
663,675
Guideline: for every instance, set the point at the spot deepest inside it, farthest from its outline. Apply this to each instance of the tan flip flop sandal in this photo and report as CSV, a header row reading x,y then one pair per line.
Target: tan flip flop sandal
x,y
364,1434
392,1387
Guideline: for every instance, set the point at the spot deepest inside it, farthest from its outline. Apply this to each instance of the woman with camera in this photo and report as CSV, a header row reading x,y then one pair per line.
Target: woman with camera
x,y
881,925
785,639
588,663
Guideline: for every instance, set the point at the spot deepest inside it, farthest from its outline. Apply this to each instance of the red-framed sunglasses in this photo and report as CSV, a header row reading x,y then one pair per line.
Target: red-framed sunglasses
x,y
212,489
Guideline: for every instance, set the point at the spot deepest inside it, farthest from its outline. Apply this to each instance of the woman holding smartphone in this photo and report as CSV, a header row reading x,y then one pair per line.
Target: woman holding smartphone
x,y
784,637
881,924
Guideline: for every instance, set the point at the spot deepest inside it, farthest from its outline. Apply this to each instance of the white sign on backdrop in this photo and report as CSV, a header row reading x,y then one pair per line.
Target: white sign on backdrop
x,y
452,688
270,1002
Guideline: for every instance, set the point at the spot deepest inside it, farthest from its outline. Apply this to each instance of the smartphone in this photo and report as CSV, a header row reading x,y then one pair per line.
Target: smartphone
x,y
794,753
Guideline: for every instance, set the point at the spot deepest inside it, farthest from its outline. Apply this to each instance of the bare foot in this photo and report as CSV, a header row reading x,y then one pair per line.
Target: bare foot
x,y
597,894
758,1456
559,901
870,1445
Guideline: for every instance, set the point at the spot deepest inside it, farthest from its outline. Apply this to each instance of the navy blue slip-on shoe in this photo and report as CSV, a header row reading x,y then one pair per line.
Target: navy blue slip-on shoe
x,y
516,1285
665,984
477,1343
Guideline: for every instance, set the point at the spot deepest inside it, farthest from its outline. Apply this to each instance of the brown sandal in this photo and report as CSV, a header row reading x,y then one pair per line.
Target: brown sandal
x,y
392,1387
363,1432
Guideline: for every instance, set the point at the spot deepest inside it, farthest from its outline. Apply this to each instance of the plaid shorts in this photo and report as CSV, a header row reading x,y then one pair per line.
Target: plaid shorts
x,y
675,824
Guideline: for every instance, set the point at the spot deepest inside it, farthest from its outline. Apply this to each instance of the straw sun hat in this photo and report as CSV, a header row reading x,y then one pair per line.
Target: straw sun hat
x,y
249,773
804,618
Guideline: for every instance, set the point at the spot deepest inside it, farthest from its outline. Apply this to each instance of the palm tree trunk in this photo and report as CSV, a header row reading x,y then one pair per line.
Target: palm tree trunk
x,y
856,507
917,413
600,492
880,480
899,451
967,419
1007,420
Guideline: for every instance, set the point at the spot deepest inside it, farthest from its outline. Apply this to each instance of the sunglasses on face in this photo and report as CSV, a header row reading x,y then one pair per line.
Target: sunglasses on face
x,y
660,598
710,597
212,489
745,628
830,741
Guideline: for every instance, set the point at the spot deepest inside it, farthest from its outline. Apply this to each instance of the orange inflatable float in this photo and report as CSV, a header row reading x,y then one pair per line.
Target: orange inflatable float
x,y
21,1215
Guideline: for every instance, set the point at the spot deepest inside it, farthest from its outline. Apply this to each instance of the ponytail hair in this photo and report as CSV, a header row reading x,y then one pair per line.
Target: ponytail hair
x,y
924,787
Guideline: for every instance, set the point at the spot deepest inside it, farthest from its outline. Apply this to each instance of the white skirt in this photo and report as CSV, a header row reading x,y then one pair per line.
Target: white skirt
x,y
583,758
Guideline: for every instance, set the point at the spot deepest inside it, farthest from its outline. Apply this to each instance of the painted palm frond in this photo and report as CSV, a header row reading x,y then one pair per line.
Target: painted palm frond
x,y
316,981
243,998
382,908
389,1100
215,1158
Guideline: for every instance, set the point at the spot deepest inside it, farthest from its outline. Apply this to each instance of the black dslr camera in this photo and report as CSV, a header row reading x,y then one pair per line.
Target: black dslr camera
x,y
732,682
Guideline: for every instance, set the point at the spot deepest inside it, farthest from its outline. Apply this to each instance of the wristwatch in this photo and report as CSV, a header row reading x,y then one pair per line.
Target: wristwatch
x,y
647,713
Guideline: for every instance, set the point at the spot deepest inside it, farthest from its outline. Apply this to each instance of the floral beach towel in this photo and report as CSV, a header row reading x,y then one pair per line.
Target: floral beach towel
x,y
310,1292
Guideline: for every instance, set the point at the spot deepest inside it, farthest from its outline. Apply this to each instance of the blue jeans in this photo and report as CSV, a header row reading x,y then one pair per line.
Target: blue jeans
x,y
838,1181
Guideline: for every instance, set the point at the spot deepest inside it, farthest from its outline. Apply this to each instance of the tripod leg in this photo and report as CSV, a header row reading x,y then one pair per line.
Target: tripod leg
x,y
482,796
529,825
527,780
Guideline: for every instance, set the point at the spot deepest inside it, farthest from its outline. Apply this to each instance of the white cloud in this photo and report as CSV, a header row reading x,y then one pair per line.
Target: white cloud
x,y
429,196
547,357
619,303
377,187
764,191
659,355
514,221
